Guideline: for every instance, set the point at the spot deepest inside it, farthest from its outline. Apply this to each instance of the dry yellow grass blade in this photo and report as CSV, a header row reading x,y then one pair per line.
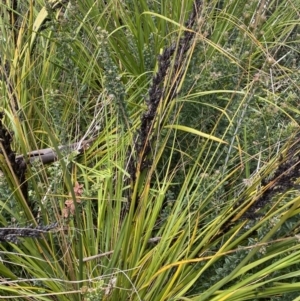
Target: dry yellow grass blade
x,y
196,132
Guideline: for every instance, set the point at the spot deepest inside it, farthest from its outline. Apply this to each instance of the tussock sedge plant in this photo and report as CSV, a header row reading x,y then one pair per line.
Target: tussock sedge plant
x,y
149,150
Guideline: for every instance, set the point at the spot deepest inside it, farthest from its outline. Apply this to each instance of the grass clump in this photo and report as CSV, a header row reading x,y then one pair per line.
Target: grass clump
x,y
175,133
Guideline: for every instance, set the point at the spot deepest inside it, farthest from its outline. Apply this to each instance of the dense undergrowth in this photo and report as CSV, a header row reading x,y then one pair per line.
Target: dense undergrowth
x,y
184,181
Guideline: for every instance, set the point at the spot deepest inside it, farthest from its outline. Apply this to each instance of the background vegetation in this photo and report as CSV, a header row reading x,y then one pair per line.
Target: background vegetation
x,y
188,189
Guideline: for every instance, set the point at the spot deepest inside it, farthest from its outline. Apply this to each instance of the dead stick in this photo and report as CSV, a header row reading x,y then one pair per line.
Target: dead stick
x,y
49,155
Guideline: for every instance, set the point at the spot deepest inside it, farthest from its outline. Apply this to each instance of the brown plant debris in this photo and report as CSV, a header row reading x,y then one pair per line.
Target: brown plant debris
x,y
158,91
282,180
12,234
49,155
69,204
18,166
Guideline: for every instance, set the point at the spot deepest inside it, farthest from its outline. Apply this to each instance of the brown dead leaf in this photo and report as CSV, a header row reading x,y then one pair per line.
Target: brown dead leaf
x,y
78,189
69,204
